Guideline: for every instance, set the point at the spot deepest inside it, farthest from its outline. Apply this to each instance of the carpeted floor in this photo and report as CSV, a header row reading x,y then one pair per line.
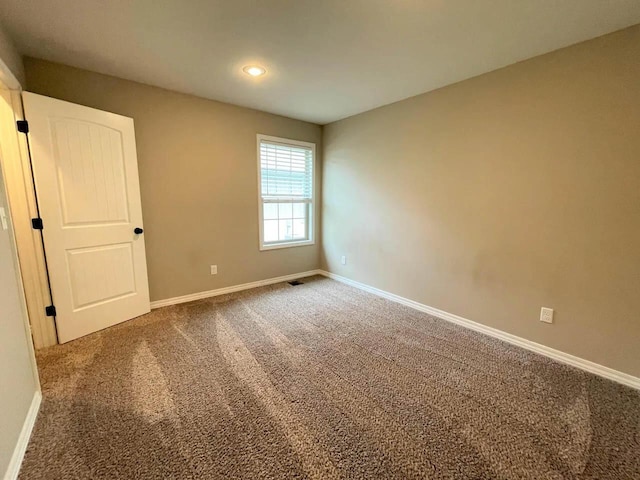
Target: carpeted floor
x,y
321,381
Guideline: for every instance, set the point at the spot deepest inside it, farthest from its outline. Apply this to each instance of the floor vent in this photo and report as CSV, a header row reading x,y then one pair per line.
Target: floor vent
x,y
296,282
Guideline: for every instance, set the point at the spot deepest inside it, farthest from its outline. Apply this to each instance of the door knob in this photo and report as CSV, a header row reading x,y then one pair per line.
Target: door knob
x,y
138,230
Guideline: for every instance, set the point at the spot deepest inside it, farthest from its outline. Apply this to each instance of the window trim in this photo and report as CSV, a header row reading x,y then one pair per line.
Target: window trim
x,y
312,208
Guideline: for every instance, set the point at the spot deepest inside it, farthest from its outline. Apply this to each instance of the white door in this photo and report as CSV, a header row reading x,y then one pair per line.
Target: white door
x,y
86,176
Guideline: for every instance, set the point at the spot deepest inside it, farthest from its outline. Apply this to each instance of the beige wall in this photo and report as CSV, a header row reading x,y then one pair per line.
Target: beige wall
x,y
198,178
501,194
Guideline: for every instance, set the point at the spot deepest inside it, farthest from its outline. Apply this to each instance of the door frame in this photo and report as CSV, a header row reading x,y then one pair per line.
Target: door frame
x,y
23,205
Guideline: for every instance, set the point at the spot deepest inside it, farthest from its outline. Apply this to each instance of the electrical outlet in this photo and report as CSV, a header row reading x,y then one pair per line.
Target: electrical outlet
x,y
343,260
546,315
214,269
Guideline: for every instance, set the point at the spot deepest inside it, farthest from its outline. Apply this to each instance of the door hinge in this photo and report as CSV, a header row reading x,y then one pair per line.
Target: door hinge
x,y
50,311
23,126
37,224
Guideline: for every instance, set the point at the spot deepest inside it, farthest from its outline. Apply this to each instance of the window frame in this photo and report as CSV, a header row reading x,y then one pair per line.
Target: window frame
x,y
312,205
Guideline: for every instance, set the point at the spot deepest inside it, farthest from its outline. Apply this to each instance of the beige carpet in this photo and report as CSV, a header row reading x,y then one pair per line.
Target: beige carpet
x,y
321,381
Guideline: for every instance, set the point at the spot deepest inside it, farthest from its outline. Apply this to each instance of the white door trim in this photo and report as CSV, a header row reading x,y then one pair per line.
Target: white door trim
x,y
7,78
22,201
10,155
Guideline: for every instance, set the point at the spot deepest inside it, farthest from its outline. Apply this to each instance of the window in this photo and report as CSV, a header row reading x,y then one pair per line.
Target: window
x,y
286,183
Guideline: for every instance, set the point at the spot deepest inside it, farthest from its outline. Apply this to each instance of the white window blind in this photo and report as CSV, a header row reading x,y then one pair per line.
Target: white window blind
x,y
286,170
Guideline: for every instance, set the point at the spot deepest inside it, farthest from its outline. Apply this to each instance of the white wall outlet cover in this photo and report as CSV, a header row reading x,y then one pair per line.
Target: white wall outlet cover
x,y
546,315
343,260
214,269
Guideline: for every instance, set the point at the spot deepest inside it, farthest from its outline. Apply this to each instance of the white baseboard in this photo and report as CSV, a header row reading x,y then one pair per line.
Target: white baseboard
x,y
23,440
591,367
234,288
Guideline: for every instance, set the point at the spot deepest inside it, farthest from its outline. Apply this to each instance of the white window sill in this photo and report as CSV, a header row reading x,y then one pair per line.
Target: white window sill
x,y
274,246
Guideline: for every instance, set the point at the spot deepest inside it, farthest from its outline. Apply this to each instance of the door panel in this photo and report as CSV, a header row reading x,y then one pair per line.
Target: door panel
x,y
100,274
86,175
90,173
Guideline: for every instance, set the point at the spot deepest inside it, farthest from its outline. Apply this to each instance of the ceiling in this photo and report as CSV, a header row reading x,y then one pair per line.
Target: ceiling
x,y
326,59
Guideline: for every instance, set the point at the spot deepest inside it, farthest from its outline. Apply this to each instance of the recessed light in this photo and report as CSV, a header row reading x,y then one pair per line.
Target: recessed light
x,y
254,70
